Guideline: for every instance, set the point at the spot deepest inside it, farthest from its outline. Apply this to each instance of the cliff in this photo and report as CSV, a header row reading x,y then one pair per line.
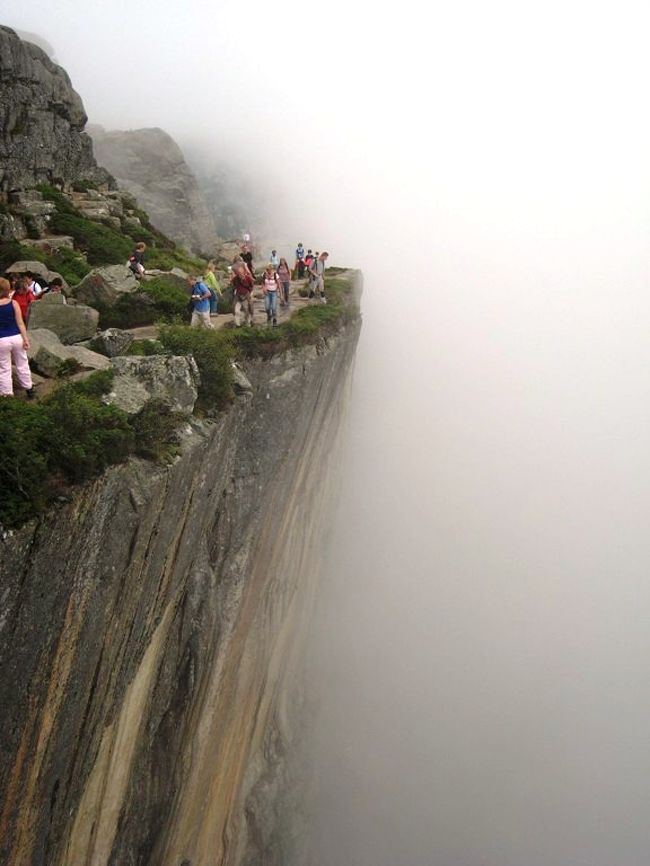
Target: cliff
x,y
42,120
150,634
150,165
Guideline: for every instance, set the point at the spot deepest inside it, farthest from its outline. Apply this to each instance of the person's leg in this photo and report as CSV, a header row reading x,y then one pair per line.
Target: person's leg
x,y
286,287
274,306
196,321
205,320
249,306
23,373
213,302
6,385
267,306
237,313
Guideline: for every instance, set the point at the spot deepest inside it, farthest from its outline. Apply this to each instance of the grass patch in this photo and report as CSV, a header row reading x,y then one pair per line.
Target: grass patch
x,y
158,300
144,348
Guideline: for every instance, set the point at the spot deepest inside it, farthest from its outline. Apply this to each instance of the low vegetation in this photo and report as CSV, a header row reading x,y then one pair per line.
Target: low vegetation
x,y
70,437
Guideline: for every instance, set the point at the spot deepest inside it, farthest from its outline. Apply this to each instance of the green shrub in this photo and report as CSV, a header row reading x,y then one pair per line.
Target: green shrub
x,y
156,431
68,367
168,297
146,347
213,352
102,245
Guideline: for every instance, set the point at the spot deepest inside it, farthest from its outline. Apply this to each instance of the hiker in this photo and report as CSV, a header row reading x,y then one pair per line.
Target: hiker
x,y
200,303
24,297
32,286
247,238
275,259
56,288
284,276
271,287
317,277
242,284
247,257
299,267
210,280
309,258
14,343
136,260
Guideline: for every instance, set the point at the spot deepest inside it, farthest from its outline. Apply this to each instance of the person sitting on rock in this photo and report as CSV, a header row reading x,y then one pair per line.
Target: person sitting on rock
x,y
200,303
14,343
24,297
214,288
136,260
56,288
271,286
242,285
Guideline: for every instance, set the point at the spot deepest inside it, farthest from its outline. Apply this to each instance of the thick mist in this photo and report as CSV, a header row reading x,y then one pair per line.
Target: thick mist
x,y
480,659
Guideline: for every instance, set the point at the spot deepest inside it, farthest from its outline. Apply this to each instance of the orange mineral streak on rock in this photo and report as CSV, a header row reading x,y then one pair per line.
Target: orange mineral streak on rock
x,y
21,850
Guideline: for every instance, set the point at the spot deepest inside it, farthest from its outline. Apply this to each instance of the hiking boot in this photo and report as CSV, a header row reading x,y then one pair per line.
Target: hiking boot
x,y
30,394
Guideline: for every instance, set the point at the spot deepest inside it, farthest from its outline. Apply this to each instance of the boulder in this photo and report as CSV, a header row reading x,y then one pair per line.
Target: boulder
x,y
47,353
111,342
240,381
104,286
171,379
51,244
176,275
71,324
37,268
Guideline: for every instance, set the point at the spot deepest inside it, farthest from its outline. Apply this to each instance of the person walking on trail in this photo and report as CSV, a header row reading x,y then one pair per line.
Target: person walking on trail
x,y
299,267
200,304
317,273
271,289
275,259
211,281
242,285
136,260
14,343
284,276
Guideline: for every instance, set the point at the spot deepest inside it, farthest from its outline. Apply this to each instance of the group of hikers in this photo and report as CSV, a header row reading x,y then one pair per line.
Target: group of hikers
x,y
275,281
21,290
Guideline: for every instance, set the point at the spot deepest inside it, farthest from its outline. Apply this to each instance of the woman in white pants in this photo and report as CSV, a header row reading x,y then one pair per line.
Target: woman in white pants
x,y
13,344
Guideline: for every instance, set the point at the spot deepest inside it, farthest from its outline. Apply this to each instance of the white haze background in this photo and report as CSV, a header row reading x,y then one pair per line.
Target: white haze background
x,y
484,638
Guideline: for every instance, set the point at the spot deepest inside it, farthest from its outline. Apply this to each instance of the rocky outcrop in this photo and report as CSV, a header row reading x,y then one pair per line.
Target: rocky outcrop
x,y
36,268
149,635
42,120
111,342
167,379
47,354
149,164
104,286
71,324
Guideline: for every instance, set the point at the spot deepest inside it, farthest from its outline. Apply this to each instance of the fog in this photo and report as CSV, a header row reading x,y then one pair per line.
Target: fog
x,y
481,654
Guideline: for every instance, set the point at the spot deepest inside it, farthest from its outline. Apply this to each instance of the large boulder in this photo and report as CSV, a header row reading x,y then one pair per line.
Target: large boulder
x,y
111,342
176,275
105,286
38,268
71,324
171,379
47,354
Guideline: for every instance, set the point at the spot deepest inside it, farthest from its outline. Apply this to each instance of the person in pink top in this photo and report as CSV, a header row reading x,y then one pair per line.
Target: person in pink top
x,y
14,343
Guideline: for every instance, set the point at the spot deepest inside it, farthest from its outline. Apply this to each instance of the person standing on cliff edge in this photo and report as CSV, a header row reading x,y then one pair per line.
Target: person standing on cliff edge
x,y
14,343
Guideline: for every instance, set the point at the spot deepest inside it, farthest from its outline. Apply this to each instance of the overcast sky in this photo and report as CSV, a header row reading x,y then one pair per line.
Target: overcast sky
x,y
484,652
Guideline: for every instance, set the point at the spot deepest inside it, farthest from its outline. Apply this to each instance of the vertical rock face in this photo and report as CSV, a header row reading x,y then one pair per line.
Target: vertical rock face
x,y
42,120
150,165
149,631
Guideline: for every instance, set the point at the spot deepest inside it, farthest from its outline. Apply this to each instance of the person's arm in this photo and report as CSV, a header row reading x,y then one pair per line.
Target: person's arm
x,y
21,324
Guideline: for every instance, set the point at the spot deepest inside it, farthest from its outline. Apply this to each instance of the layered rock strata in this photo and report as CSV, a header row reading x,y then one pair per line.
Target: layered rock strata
x,y
149,631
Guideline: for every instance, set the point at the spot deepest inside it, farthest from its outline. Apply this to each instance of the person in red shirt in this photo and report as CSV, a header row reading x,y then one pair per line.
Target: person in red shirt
x,y
24,297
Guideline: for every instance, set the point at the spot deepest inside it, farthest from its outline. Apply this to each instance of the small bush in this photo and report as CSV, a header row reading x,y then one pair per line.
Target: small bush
x,y
146,347
102,244
68,367
168,297
156,431
213,352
